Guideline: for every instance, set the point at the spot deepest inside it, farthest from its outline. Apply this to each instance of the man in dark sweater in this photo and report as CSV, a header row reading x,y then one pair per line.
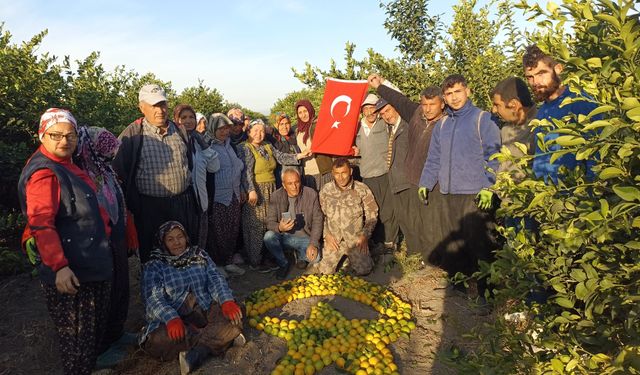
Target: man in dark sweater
x,y
421,118
406,205
295,221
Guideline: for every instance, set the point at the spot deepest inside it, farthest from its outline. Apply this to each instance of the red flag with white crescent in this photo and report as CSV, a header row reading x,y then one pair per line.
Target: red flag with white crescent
x,y
338,117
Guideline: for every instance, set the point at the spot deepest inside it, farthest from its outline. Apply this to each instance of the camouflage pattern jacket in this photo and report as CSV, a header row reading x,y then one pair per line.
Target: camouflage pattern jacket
x,y
348,213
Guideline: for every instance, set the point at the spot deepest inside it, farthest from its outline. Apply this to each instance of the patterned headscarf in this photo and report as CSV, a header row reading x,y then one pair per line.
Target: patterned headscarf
x,y
236,115
96,148
53,116
216,121
192,255
305,127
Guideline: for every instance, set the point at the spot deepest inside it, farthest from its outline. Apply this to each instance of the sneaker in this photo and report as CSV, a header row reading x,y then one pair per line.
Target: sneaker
x,y
222,272
263,268
234,270
237,259
282,272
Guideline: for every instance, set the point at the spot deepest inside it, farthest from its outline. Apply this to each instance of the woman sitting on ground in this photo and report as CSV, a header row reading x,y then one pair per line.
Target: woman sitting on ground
x,y
189,307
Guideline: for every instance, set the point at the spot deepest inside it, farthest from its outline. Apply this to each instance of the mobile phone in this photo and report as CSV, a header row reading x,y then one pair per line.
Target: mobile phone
x,y
286,216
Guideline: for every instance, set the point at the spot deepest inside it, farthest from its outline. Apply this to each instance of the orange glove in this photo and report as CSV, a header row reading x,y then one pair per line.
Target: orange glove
x,y
175,329
231,311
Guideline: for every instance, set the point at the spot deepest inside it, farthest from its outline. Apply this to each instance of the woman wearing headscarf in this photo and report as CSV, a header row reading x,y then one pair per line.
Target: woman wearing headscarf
x,y
204,160
284,139
227,196
189,308
96,148
317,168
201,123
237,132
72,232
260,160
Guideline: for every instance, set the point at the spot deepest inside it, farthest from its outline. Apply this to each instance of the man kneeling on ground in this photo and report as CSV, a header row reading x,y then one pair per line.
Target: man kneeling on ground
x,y
294,220
350,215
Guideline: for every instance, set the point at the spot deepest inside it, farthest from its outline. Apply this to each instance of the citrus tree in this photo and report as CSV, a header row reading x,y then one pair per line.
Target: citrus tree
x,y
585,255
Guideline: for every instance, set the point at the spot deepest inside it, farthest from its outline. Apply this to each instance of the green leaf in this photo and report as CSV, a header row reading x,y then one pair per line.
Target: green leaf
x,y
634,114
602,109
578,275
610,172
564,302
604,207
581,291
611,19
594,62
636,222
633,245
628,193
557,366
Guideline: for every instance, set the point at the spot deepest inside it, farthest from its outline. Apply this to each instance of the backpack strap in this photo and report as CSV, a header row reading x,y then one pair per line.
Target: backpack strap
x,y
478,125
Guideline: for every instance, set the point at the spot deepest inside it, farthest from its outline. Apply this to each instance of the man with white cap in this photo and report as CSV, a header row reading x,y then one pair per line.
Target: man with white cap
x,y
154,166
371,145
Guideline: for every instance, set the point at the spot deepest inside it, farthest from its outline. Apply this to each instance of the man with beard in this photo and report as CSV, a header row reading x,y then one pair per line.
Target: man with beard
x,y
543,75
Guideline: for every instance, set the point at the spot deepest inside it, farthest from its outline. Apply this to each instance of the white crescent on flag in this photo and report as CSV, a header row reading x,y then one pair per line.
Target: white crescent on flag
x,y
339,99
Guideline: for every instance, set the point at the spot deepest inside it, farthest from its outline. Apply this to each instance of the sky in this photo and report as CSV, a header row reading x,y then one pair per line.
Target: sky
x,y
243,48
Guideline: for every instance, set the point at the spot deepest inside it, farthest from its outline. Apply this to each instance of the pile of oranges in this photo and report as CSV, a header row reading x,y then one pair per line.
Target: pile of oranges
x,y
358,346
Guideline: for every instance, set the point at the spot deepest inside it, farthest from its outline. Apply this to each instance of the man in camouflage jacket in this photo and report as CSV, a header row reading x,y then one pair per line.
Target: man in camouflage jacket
x,y
350,215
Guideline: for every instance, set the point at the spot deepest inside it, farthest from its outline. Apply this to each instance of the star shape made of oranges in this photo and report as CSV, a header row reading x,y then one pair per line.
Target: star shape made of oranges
x,y
358,346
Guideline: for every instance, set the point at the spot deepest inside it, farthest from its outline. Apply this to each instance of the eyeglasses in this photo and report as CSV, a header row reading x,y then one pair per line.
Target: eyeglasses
x,y
71,137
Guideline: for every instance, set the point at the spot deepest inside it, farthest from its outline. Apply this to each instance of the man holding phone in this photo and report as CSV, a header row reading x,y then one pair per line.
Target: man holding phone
x,y
294,221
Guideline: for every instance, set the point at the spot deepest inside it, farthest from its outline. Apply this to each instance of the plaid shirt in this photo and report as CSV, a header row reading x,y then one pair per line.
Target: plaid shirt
x,y
165,288
163,170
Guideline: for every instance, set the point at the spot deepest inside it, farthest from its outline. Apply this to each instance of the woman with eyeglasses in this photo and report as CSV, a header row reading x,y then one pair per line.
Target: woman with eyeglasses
x,y
317,168
72,233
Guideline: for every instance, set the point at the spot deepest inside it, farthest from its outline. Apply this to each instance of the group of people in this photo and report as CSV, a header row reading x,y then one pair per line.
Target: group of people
x,y
199,198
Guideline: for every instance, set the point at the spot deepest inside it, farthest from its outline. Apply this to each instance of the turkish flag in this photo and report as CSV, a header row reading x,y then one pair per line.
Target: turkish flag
x,y
338,117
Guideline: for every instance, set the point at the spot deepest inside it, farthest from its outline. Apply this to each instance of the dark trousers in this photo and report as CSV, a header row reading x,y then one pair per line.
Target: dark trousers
x,y
154,211
119,306
387,228
224,231
408,211
207,328
433,226
470,236
80,321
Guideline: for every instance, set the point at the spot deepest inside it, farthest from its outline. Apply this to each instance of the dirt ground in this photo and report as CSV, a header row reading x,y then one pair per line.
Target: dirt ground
x,y
28,342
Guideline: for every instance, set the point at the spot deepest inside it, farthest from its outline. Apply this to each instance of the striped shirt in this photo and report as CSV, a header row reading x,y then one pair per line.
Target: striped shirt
x,y
228,177
163,170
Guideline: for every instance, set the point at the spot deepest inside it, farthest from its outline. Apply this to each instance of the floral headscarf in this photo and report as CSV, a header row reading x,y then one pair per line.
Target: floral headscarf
x,y
53,116
192,255
96,148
